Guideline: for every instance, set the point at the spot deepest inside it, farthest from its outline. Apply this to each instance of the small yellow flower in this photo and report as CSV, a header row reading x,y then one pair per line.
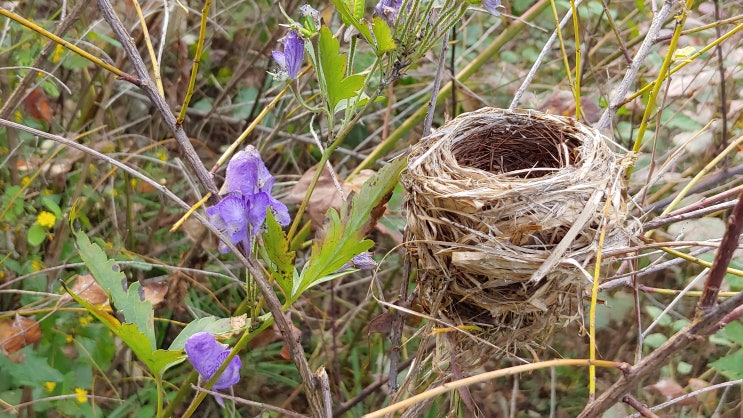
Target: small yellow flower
x,y
46,219
133,183
25,181
162,155
18,116
37,265
81,395
68,338
47,192
86,320
58,51
50,386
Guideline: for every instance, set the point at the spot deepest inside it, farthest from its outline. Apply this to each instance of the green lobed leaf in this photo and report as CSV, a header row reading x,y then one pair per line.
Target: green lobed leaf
x,y
276,250
130,301
333,70
344,235
383,36
157,361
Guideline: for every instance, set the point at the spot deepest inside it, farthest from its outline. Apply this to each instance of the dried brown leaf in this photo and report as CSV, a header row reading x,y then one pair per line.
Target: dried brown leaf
x,y
18,333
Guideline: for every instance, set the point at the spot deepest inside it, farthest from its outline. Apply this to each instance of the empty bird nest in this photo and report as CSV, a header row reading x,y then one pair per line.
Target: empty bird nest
x,y
504,212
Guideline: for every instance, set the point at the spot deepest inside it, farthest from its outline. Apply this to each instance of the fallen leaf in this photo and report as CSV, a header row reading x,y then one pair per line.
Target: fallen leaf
x,y
707,399
154,292
37,105
325,195
382,323
18,333
88,289
670,389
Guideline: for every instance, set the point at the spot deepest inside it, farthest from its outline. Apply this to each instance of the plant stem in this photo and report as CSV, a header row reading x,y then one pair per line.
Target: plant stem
x,y
43,32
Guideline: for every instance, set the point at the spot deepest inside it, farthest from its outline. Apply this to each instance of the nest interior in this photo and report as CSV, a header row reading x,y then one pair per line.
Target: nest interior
x,y
490,197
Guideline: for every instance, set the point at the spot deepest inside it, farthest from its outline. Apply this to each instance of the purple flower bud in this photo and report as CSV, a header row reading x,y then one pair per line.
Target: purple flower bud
x,y
388,10
206,355
241,214
290,59
311,15
364,261
491,6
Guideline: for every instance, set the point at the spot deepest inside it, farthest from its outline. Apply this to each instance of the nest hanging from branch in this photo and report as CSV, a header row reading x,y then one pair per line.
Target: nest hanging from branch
x,y
504,209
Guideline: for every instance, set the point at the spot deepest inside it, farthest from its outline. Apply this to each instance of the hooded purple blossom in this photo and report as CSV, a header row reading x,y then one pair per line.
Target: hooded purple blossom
x,y
290,59
491,6
241,214
206,355
388,10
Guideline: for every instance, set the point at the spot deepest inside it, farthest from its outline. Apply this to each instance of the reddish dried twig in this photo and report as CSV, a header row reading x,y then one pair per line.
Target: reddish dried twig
x,y
728,245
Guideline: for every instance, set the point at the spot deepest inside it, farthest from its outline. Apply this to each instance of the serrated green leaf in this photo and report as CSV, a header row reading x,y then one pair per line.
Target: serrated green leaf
x,y
344,235
157,361
210,324
276,250
130,301
383,36
333,70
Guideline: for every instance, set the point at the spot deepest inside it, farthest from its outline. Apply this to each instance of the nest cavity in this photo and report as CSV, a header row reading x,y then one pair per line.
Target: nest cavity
x,y
504,209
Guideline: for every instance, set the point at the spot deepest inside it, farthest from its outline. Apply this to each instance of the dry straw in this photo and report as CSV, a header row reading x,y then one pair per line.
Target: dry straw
x,y
504,209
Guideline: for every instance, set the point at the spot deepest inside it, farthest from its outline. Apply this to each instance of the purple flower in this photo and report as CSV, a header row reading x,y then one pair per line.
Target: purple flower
x,y
290,60
492,6
241,214
207,355
389,9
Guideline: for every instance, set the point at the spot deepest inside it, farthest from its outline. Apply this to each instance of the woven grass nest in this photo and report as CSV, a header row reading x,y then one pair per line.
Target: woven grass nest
x,y
503,206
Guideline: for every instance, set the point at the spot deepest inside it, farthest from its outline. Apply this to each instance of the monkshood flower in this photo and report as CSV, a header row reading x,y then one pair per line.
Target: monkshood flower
x,y
389,9
206,355
492,6
290,59
241,214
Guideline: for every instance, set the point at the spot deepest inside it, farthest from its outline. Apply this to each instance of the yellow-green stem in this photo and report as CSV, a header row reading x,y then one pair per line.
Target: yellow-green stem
x,y
662,75
576,86
150,49
43,32
196,60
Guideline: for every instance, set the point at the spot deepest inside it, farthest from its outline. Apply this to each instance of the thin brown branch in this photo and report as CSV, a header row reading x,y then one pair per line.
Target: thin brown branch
x,y
639,406
728,246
